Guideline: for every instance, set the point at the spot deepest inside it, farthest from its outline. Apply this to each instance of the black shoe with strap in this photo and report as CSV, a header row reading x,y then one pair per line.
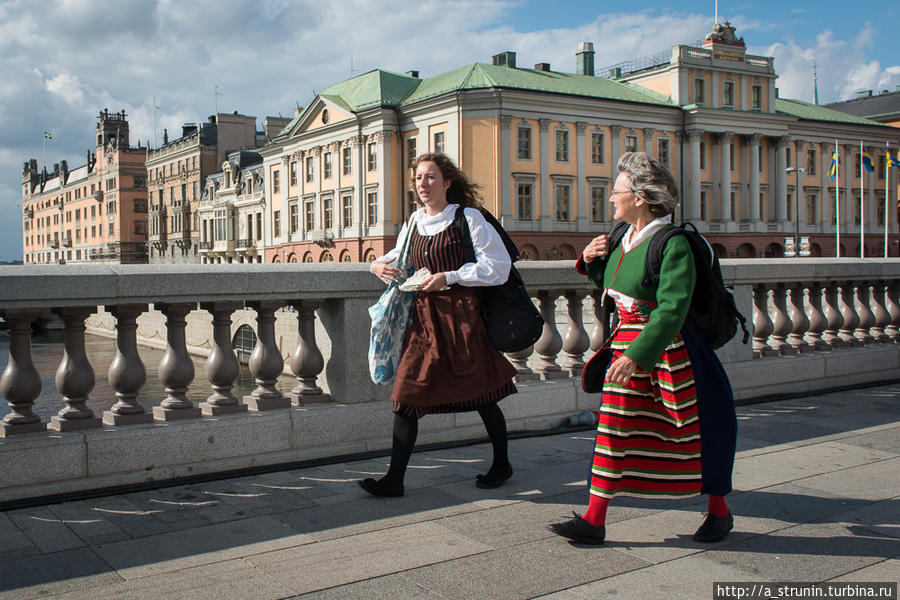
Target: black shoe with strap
x,y
579,530
714,528
489,482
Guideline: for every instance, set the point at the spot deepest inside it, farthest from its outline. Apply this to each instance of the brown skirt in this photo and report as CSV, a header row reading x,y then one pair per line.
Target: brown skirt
x,y
447,364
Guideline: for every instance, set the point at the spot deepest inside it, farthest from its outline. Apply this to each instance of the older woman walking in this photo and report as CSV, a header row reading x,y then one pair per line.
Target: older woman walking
x,y
667,425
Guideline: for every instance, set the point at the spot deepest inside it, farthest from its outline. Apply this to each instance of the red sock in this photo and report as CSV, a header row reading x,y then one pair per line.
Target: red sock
x,y
596,512
717,506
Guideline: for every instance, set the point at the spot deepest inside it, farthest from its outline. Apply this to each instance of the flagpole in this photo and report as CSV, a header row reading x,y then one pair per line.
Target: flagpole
x,y
887,195
862,194
837,199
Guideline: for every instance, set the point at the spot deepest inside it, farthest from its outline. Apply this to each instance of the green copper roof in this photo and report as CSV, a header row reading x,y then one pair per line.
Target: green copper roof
x,y
812,112
480,76
372,89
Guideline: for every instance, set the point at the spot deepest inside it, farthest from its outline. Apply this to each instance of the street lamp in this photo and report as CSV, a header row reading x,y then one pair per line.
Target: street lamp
x,y
797,192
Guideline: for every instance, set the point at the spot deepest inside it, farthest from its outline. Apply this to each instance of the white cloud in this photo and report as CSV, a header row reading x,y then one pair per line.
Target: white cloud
x,y
843,67
67,87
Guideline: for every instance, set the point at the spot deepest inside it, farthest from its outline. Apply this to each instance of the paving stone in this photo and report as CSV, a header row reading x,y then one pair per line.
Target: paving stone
x,y
44,529
878,517
389,587
128,516
886,440
14,543
885,570
523,571
203,545
58,573
874,481
808,552
231,580
89,525
354,558
791,464
664,581
785,505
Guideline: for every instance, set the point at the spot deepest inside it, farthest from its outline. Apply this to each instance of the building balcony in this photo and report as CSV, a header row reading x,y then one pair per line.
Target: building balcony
x,y
850,304
67,243
243,244
29,212
206,246
98,195
54,244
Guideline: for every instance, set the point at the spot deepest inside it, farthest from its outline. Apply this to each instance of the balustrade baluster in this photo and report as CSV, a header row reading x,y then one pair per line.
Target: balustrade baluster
x,y
846,303
817,320
866,318
882,318
307,361
126,372
781,322
75,376
550,342
520,361
799,320
602,328
834,319
762,323
176,369
222,366
892,304
576,341
21,382
266,362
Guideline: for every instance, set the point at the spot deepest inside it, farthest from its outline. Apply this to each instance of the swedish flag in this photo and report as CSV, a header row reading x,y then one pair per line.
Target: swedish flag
x,y
892,160
835,162
867,162
47,135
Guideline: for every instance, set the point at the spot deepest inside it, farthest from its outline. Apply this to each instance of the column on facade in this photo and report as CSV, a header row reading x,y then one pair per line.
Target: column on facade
x,y
359,190
614,132
284,179
849,202
725,176
336,170
692,204
870,193
799,196
781,179
317,188
648,140
505,202
755,215
826,198
544,216
385,189
581,184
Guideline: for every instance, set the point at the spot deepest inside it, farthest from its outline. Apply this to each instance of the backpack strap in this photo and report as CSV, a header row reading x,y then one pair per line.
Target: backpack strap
x,y
462,227
616,235
655,251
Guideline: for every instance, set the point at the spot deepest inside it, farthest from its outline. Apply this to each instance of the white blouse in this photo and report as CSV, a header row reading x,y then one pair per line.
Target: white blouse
x,y
492,262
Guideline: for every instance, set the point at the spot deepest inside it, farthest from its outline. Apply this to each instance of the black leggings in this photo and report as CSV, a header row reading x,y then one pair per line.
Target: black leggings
x,y
406,430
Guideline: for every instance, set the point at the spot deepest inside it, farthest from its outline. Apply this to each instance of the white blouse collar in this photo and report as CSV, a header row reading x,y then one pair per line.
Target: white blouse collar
x,y
629,241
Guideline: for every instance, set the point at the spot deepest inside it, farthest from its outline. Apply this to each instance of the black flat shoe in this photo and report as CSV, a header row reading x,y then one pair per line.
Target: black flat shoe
x,y
376,488
489,483
714,528
579,530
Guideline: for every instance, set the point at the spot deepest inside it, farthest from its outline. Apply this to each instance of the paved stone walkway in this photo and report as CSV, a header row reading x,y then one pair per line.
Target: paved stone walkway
x,y
817,498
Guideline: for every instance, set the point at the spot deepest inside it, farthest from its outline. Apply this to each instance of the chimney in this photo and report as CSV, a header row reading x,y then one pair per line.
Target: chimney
x,y
505,59
165,136
188,128
584,59
412,74
542,67
864,94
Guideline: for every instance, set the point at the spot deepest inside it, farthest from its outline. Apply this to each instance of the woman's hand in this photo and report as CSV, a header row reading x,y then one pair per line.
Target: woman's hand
x,y
621,370
434,283
599,246
384,271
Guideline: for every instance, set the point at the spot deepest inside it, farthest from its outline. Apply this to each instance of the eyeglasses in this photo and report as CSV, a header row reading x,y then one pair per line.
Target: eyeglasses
x,y
615,193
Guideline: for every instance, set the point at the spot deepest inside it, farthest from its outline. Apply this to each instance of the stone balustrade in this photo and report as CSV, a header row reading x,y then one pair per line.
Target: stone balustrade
x,y
816,324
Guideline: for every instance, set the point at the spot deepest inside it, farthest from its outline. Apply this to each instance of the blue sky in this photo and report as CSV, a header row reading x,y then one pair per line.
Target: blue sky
x,y
63,61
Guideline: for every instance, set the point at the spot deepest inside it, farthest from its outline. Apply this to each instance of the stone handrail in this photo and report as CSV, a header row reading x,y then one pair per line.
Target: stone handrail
x,y
796,308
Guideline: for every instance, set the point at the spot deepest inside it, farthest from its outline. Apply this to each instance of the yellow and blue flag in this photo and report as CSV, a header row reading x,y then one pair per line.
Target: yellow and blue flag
x,y
892,160
47,135
835,162
867,162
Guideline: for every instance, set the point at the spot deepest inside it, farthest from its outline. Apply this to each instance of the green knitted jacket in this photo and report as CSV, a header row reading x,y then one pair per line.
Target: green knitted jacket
x,y
624,273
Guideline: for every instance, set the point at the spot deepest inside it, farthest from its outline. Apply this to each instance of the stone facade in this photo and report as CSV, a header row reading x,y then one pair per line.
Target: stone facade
x,y
94,213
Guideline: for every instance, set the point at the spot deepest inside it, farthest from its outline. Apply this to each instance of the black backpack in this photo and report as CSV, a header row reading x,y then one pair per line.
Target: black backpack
x,y
510,317
713,309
